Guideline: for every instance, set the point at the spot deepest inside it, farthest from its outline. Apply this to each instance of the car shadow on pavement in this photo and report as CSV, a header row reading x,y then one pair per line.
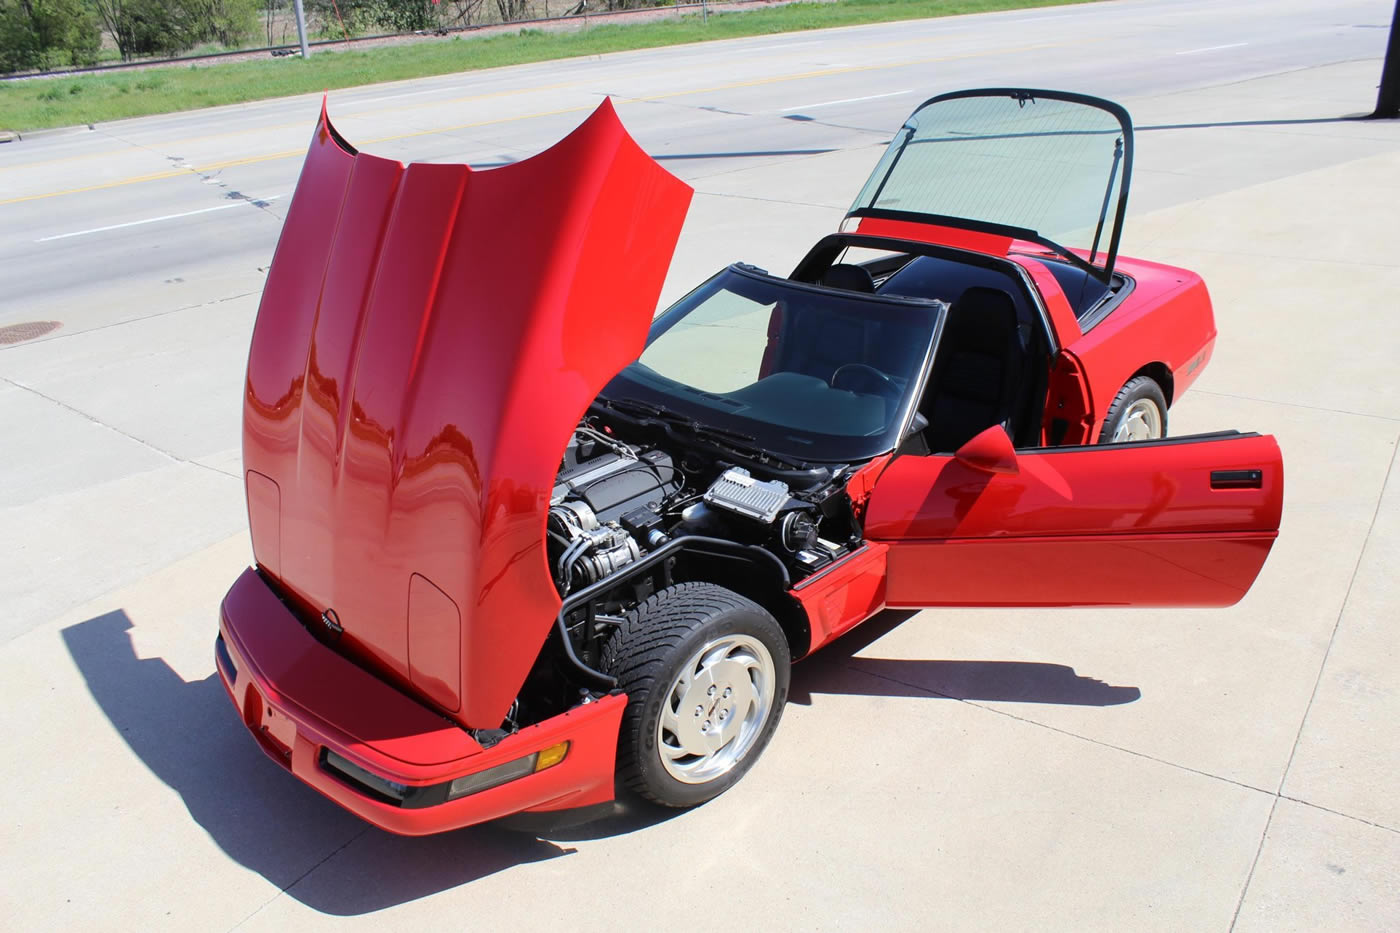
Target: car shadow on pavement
x,y
188,735
837,670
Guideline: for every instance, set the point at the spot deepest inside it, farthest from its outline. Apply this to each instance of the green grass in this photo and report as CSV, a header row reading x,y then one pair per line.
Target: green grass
x,y
36,104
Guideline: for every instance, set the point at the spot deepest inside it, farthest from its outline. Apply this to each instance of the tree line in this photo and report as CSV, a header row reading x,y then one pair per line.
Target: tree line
x,y
37,35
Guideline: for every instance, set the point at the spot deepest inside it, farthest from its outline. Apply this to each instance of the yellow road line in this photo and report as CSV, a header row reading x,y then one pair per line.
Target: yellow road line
x,y
757,82
110,184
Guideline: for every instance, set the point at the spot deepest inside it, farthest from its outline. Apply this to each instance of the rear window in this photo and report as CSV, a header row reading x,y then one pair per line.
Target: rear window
x,y
1054,167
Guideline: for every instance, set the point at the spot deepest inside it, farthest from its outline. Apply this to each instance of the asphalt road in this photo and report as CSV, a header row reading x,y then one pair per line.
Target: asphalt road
x,y
184,209
1096,769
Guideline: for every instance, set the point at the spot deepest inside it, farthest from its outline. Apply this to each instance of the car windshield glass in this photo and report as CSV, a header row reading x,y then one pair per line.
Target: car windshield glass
x,y
1054,168
811,374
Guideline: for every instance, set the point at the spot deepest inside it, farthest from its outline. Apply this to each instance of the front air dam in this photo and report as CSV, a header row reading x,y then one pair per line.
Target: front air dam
x,y
349,734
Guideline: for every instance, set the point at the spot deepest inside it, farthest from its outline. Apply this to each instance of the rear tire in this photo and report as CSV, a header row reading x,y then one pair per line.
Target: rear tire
x,y
1138,413
706,673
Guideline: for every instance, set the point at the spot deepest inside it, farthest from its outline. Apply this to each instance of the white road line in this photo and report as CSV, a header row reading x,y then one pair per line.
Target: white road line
x,y
782,47
1213,48
847,100
155,220
380,100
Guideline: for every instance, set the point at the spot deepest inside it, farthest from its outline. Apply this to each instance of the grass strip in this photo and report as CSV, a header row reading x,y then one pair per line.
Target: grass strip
x,y
42,103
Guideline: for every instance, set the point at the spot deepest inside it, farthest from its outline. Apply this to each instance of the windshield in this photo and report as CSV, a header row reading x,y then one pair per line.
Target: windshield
x,y
811,374
1042,165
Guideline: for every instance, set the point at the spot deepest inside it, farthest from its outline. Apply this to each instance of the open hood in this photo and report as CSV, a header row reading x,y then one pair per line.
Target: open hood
x,y
428,337
1046,166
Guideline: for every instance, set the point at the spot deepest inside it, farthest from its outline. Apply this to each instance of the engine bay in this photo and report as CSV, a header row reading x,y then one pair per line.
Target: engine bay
x,y
641,502
615,500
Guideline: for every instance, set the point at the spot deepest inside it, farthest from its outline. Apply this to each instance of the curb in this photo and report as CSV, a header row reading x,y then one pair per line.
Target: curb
x,y
10,136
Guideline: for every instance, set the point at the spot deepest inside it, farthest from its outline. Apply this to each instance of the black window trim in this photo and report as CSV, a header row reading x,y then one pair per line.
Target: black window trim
x,y
817,260
1100,309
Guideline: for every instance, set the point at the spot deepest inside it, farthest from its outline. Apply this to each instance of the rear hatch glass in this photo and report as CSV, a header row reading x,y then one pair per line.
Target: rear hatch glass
x,y
1045,166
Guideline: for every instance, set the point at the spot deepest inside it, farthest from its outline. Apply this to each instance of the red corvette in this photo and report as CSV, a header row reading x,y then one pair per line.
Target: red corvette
x,y
518,543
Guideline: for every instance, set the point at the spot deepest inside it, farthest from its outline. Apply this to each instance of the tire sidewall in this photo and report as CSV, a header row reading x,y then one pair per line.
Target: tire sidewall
x,y
1136,389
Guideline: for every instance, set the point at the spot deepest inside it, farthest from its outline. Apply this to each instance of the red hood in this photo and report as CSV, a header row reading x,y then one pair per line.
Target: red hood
x,y
427,339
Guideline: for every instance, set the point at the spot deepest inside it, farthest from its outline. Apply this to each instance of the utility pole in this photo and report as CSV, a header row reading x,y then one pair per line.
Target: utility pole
x,y
1388,100
301,30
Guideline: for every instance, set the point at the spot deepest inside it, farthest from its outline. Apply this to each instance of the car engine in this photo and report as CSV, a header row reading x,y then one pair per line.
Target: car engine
x,y
639,504
615,501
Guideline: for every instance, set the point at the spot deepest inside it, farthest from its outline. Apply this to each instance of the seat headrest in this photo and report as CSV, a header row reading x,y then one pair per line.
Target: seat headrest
x,y
986,300
848,276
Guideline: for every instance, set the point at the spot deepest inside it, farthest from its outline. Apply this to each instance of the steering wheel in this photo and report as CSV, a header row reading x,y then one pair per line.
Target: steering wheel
x,y
883,384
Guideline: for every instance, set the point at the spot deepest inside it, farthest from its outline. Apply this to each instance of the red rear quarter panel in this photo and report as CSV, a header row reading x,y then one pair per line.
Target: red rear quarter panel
x,y
1167,319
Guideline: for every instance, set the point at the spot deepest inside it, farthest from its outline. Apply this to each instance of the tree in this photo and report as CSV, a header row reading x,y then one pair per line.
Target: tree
x,y
405,15
168,27
148,27
227,22
41,33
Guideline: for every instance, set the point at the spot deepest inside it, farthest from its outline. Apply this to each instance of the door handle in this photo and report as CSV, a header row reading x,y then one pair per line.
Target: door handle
x,y
1236,479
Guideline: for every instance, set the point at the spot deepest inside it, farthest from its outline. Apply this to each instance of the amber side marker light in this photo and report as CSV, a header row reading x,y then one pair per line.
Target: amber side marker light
x,y
549,757
510,771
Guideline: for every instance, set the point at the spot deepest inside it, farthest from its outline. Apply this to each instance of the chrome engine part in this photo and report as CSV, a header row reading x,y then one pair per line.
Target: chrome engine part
x,y
737,491
594,550
615,501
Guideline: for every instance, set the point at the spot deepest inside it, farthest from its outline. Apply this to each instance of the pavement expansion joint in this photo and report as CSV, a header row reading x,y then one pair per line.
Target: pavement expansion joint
x,y
57,335
299,878
1249,79
1065,732
115,430
1294,259
1277,795
1341,613
1254,863
1346,816
754,197
1274,401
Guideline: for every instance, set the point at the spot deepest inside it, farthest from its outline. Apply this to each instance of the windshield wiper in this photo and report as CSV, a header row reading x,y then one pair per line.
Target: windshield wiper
x,y
633,407
741,443
698,428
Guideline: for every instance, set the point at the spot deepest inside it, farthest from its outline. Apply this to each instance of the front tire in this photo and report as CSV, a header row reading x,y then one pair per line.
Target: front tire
x,y
1138,413
706,673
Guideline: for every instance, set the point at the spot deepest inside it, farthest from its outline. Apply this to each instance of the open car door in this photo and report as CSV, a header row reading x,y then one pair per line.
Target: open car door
x,y
1178,522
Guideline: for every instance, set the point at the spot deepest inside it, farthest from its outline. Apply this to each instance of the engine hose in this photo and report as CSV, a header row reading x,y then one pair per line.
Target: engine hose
x,y
698,542
596,677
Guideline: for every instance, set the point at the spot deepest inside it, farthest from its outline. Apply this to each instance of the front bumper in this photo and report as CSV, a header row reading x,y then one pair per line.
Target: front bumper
x,y
348,734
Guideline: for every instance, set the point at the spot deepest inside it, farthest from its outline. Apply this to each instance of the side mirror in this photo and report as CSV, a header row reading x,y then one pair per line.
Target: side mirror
x,y
917,425
991,452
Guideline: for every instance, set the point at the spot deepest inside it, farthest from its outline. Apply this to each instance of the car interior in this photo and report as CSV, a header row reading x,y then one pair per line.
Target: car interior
x,y
990,366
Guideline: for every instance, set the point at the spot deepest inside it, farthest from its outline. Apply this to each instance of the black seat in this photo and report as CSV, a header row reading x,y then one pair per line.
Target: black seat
x,y
978,373
848,276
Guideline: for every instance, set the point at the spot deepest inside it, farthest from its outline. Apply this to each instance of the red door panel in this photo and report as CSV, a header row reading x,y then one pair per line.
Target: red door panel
x,y
1183,522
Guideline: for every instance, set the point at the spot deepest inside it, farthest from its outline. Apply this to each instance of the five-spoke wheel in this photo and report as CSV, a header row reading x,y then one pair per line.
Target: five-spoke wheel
x,y
706,675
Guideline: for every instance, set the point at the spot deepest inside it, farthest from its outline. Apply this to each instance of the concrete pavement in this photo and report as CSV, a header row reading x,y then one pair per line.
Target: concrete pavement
x,y
992,769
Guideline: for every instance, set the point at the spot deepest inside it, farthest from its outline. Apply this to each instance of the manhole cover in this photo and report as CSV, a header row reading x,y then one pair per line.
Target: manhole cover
x,y
19,333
